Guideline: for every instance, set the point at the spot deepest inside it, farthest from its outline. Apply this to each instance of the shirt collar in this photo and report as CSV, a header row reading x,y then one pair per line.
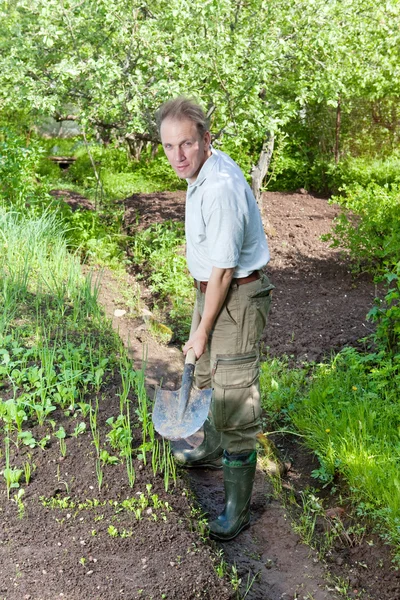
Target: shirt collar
x,y
205,169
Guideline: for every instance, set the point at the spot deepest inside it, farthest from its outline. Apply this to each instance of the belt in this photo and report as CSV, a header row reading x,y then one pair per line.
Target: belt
x,y
202,285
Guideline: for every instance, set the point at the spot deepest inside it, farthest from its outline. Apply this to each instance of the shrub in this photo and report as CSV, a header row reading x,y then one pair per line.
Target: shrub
x,y
386,313
369,226
18,168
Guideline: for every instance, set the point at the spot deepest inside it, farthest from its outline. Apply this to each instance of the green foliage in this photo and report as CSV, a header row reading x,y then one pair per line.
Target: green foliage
x,y
369,226
280,387
363,171
159,252
277,68
145,176
120,175
18,165
386,314
59,146
94,236
81,172
348,414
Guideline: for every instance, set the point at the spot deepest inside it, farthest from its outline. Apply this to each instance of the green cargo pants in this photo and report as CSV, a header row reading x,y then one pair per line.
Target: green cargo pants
x,y
231,364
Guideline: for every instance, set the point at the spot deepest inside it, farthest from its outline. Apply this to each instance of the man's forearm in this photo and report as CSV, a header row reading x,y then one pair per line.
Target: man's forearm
x,y
217,290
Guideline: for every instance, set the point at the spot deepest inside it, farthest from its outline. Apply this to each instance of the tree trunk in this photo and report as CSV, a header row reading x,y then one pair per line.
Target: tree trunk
x,y
138,141
135,146
259,172
337,133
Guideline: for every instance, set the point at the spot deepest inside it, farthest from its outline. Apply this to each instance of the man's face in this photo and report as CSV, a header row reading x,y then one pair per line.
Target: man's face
x,y
185,148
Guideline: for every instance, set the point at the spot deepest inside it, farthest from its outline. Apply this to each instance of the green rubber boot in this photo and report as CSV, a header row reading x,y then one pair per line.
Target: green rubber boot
x,y
206,456
239,472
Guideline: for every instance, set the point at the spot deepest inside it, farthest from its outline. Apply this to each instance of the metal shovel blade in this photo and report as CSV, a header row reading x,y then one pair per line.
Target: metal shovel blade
x,y
169,420
177,415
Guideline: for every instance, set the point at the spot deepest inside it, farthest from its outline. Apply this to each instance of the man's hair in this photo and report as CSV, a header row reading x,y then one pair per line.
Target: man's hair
x,y
182,108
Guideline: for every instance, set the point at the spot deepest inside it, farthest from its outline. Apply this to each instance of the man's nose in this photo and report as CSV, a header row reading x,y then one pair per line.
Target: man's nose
x,y
179,155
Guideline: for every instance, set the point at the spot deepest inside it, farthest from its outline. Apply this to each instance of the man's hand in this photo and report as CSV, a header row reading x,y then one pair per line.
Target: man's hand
x,y
198,341
217,289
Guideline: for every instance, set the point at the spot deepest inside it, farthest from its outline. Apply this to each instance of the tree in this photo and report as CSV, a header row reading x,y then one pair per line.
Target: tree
x,y
258,66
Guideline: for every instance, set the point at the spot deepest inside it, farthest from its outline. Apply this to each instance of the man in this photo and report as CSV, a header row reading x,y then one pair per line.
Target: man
x,y
226,250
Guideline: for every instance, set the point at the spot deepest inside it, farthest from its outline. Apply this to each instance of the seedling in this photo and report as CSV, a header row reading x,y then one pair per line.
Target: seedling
x,y
27,438
43,442
79,429
112,531
27,472
12,477
18,500
61,435
84,408
99,474
107,459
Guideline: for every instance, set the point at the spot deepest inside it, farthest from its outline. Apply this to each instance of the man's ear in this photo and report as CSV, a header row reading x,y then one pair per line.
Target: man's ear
x,y
207,140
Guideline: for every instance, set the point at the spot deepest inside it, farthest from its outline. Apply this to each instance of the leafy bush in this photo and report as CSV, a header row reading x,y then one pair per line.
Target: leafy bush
x,y
158,251
294,166
369,226
386,313
18,166
81,171
363,171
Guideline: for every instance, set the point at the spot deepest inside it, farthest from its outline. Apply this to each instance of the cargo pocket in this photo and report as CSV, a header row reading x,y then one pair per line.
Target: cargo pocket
x,y
260,303
236,397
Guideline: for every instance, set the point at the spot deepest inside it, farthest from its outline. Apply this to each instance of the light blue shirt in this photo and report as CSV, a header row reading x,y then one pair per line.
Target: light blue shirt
x,y
223,222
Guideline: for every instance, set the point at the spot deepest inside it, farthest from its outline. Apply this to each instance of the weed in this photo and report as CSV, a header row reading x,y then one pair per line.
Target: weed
x,y
27,472
61,435
18,500
12,477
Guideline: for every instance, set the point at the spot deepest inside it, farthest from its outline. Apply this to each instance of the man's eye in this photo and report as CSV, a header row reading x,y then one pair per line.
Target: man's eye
x,y
167,146
188,143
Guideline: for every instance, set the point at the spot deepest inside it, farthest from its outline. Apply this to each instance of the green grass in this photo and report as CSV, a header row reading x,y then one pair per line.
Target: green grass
x,y
57,353
348,413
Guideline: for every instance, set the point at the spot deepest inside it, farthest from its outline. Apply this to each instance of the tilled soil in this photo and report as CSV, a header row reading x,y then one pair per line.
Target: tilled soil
x,y
75,542
73,552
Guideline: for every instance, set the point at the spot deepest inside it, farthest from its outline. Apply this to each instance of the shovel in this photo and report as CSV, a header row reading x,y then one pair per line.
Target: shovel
x,y
179,414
